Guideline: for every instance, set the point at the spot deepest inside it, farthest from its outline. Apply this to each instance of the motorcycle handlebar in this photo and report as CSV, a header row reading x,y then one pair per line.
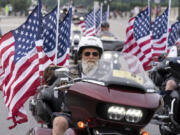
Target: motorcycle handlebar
x,y
63,87
69,84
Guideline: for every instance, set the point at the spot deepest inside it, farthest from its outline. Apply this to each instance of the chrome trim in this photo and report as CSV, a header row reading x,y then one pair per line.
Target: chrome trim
x,y
151,90
172,106
93,81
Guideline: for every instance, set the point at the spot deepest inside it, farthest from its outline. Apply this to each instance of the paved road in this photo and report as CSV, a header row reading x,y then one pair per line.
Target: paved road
x,y
117,27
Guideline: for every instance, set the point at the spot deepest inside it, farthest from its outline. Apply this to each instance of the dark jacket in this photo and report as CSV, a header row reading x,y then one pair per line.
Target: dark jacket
x,y
49,101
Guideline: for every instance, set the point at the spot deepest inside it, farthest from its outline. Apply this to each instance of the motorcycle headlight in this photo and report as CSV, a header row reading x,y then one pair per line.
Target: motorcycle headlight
x,y
129,114
133,115
116,112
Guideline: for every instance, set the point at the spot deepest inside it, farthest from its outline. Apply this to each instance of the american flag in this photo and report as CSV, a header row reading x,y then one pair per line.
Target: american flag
x,y
20,64
49,38
105,16
98,20
83,27
134,65
160,34
64,39
89,24
174,34
138,40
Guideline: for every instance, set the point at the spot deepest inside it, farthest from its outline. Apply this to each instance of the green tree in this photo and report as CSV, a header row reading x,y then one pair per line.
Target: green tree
x,y
20,5
49,4
3,3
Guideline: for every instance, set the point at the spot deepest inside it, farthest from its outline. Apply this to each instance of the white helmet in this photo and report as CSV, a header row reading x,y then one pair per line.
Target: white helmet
x,y
92,42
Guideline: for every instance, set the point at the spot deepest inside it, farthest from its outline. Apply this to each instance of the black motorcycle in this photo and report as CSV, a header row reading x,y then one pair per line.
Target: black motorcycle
x,y
167,117
74,45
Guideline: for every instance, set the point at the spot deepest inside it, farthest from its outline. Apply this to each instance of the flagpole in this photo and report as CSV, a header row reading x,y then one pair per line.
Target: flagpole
x,y
108,12
94,19
57,31
169,11
101,12
149,10
40,42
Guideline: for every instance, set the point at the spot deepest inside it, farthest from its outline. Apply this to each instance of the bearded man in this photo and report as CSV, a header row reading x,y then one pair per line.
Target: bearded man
x,y
89,52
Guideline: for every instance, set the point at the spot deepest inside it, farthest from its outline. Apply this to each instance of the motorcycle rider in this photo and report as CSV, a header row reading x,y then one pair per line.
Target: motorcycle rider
x,y
105,31
171,83
90,51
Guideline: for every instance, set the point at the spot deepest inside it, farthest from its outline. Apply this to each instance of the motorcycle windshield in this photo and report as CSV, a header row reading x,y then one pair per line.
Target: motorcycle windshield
x,y
120,69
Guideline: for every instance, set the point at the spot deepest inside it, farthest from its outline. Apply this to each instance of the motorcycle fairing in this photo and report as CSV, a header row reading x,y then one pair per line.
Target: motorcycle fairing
x,y
83,99
116,95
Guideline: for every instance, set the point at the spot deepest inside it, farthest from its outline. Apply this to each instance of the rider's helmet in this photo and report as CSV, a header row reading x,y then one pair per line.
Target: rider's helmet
x,y
90,42
105,25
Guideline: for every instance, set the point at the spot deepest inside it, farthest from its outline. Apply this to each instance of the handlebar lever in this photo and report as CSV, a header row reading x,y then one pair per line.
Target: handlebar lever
x,y
63,87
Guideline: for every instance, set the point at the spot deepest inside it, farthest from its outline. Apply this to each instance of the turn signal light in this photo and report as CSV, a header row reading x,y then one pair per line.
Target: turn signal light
x,y
81,124
145,133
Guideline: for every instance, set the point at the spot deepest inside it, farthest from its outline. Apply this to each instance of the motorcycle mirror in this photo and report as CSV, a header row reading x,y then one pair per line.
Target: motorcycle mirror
x,y
174,94
61,72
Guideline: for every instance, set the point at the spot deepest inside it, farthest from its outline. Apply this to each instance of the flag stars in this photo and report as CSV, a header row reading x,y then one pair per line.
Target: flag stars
x,y
27,41
19,39
23,40
36,29
51,34
35,14
28,27
22,33
20,46
32,28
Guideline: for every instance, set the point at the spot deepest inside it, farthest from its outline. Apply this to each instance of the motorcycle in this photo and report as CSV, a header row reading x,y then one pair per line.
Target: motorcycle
x,y
167,117
110,42
116,98
74,45
76,34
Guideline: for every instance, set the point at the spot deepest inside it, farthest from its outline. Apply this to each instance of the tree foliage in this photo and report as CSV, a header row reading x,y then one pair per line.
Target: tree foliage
x,y
3,3
123,5
19,5
49,4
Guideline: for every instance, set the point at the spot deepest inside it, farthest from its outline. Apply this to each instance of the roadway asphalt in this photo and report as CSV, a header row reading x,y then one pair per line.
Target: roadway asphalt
x,y
118,27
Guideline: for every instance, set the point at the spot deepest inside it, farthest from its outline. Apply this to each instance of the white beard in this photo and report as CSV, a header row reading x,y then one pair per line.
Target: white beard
x,y
88,66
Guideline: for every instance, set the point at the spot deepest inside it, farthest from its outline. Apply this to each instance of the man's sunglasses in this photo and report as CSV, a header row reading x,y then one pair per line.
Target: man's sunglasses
x,y
91,53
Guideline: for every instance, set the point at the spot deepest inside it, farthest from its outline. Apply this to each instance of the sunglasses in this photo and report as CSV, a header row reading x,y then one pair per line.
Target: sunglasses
x,y
91,53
